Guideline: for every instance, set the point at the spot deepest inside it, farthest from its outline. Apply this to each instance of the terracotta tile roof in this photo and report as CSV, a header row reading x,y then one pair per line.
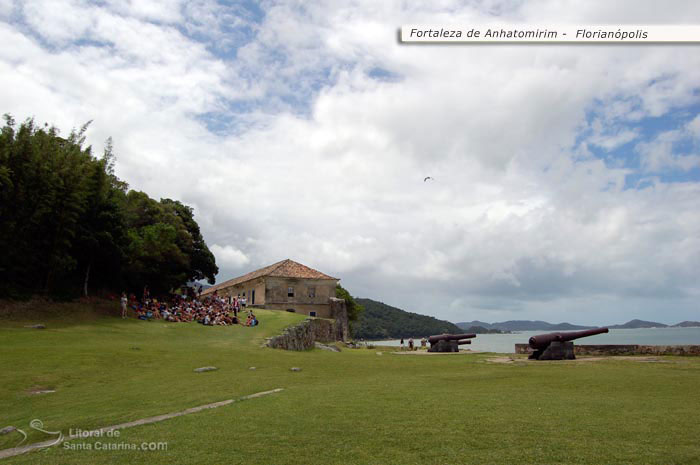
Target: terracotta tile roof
x,y
284,269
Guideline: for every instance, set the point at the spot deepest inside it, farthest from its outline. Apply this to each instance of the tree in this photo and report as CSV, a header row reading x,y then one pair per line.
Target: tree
x,y
354,309
166,248
45,192
68,224
202,262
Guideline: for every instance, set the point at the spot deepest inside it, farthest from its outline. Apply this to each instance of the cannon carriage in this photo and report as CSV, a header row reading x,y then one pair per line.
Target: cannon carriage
x,y
449,342
559,346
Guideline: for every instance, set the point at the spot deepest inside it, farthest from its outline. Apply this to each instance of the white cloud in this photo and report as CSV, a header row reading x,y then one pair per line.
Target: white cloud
x,y
693,127
610,140
319,162
659,154
229,256
163,11
6,8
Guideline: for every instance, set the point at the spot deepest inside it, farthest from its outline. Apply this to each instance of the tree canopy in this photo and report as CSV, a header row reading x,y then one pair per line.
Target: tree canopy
x,y
68,224
353,308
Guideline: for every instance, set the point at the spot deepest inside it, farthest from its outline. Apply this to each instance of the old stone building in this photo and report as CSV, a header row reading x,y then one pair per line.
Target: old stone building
x,y
285,285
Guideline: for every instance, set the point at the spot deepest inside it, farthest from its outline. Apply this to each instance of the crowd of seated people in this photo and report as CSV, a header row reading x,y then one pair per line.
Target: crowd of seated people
x,y
188,306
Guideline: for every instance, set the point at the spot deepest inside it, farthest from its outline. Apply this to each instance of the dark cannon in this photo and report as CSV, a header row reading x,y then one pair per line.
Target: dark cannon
x,y
449,342
558,346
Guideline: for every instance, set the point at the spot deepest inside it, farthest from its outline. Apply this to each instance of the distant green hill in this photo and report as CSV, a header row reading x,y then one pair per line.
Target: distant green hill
x,y
481,330
687,324
523,325
382,321
635,324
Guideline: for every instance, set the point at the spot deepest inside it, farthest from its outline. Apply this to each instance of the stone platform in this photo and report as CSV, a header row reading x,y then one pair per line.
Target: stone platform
x,y
622,349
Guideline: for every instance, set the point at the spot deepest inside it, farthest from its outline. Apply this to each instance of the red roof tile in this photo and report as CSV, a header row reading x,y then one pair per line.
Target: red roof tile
x,y
284,269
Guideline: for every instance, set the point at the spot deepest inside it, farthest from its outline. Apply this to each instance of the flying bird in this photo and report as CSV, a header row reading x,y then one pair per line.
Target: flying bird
x,y
428,177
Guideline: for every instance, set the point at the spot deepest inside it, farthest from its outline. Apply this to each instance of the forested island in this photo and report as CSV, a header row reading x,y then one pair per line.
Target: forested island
x,y
381,321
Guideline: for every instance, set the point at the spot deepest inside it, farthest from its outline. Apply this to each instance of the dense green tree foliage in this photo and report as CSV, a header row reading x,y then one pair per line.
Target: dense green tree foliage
x,y
68,224
382,321
354,309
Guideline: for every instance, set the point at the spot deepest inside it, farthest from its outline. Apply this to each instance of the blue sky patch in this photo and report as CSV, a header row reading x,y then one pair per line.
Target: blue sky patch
x,y
666,131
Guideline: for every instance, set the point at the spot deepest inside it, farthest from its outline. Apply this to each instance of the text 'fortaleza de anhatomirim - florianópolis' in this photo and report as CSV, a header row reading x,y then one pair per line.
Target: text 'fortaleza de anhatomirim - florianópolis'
x,y
488,33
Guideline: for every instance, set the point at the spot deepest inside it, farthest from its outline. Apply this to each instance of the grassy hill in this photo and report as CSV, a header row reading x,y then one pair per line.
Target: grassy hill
x,y
382,321
350,407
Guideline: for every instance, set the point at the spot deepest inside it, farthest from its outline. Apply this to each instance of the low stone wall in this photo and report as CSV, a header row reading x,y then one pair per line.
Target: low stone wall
x,y
617,349
304,335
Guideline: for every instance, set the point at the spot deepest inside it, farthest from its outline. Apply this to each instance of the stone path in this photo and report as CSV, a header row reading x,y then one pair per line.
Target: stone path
x,y
144,421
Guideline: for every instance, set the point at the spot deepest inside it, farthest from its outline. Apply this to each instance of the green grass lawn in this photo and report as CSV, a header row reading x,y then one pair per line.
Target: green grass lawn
x,y
349,407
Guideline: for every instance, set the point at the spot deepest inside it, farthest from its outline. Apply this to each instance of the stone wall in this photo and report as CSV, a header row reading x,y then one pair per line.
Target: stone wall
x,y
304,335
617,349
339,312
244,290
320,310
306,291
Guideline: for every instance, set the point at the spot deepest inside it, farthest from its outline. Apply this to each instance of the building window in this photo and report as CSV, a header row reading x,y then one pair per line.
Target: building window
x,y
290,292
312,291
312,313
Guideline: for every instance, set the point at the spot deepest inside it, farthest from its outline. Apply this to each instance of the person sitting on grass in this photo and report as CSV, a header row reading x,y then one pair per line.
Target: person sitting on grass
x,y
251,321
146,314
209,311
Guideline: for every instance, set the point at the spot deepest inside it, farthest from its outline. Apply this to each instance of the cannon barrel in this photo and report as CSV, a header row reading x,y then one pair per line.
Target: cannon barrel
x,y
449,337
541,341
464,341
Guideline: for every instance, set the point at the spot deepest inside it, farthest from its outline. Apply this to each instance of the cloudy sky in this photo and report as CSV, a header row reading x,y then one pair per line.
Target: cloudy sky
x,y
566,178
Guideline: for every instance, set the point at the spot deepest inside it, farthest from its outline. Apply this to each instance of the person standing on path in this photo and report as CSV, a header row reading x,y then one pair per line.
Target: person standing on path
x,y
402,344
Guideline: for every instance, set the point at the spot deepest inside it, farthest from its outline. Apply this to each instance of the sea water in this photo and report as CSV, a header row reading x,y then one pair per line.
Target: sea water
x,y
505,343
